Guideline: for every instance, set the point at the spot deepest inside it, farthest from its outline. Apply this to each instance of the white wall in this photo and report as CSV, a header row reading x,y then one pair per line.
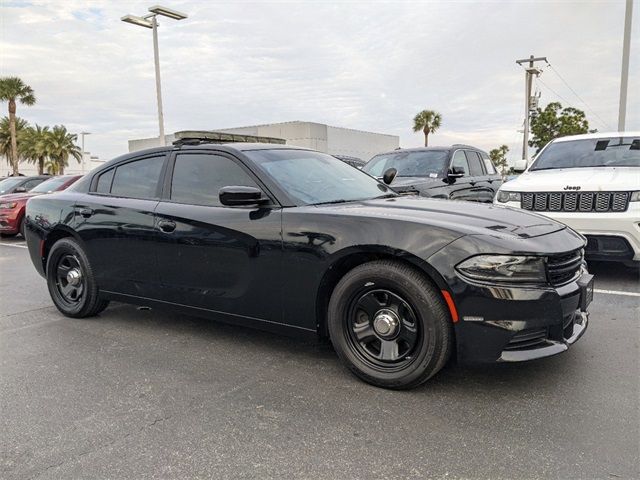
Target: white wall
x,y
317,136
74,168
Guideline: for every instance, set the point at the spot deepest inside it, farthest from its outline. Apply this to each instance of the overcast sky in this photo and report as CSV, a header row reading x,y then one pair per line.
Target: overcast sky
x,y
359,64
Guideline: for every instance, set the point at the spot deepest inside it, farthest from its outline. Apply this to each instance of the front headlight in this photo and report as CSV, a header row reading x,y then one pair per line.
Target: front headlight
x,y
635,196
504,197
8,205
504,268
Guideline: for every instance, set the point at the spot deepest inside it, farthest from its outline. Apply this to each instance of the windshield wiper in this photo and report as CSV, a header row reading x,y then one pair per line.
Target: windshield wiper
x,y
386,195
341,200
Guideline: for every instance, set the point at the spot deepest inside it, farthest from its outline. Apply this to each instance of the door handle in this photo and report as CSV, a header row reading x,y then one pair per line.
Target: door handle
x,y
167,226
473,184
86,212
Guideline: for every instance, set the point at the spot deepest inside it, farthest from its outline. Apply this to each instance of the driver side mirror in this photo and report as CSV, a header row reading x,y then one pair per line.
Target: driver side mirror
x,y
455,172
234,196
389,175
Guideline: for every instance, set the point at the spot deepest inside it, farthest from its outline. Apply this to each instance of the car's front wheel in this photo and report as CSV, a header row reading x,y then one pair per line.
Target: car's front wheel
x,y
71,282
389,325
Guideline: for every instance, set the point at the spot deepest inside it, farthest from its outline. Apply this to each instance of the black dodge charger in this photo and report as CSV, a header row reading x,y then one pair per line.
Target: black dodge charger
x,y
296,241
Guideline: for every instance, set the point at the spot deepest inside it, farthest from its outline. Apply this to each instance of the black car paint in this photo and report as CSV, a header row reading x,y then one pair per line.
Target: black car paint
x,y
481,188
273,266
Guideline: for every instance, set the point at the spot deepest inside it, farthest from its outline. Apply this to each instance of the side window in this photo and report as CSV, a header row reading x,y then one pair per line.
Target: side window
x,y
475,167
104,181
138,179
488,164
197,178
459,163
28,185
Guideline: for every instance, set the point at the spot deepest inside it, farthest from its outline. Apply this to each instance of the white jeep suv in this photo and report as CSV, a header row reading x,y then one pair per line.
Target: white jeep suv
x,y
591,183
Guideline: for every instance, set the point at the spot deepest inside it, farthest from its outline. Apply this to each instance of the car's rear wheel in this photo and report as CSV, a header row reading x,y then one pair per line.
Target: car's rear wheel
x,y
22,227
389,325
71,282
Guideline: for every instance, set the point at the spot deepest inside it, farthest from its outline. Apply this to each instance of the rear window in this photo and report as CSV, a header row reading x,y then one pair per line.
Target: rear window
x,y
596,152
138,179
475,168
488,164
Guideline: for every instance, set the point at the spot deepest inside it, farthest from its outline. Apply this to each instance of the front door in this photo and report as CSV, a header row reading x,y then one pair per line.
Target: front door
x,y
460,188
220,258
482,191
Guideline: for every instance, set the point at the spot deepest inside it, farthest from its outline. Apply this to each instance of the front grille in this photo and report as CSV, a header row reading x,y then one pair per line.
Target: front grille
x,y
528,339
575,202
564,267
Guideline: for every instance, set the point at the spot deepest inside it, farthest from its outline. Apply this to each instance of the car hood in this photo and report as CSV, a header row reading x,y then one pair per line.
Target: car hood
x,y
18,196
588,179
403,184
466,218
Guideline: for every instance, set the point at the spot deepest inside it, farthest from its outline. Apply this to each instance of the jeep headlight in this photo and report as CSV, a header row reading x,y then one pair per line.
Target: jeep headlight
x,y
635,196
504,268
504,196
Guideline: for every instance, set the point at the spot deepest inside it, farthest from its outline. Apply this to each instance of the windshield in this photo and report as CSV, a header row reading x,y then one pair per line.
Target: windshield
x,y
9,183
596,152
50,185
312,178
429,163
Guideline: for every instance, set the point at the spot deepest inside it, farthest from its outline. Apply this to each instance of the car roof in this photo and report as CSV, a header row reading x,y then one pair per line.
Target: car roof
x,y
591,136
435,149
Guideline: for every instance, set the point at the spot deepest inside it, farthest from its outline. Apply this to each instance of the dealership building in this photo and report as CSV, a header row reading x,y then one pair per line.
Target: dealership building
x,y
317,136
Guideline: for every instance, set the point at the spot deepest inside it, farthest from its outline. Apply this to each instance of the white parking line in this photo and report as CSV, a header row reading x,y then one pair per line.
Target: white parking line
x,y
13,245
617,292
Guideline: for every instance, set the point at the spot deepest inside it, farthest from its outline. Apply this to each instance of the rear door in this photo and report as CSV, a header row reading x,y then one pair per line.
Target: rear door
x,y
221,258
493,178
116,222
460,188
482,191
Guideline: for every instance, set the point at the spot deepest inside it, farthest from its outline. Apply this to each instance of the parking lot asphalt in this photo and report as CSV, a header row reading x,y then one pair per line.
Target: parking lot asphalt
x,y
152,394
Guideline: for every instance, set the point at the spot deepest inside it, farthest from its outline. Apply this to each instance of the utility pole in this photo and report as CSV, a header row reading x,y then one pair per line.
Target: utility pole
x,y
530,71
82,134
624,77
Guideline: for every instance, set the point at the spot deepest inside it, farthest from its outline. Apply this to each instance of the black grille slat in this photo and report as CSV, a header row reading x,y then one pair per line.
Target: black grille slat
x,y
564,267
527,339
575,201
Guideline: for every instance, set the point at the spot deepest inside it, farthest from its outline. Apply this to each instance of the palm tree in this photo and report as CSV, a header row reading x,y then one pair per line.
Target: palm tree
x,y
33,146
428,121
60,145
5,136
13,89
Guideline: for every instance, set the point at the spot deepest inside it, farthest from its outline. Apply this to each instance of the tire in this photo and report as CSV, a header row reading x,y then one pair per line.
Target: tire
x,y
389,325
21,229
8,235
76,294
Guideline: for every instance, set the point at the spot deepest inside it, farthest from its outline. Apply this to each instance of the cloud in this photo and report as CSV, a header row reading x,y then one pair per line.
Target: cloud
x,y
363,65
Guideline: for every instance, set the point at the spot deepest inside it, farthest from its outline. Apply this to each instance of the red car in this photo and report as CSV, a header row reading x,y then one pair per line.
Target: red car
x,y
12,205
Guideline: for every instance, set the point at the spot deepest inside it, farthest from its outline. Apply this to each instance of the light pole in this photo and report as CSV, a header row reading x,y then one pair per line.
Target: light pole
x,y
82,134
150,21
624,77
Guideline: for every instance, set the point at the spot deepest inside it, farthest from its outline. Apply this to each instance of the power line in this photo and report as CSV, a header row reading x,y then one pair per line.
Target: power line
x,y
567,102
578,96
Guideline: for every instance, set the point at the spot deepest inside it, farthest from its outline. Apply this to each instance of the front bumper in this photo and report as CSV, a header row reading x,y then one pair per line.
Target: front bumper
x,y
9,221
623,225
507,324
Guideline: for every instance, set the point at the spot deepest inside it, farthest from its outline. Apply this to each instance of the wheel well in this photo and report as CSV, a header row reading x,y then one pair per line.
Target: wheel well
x,y
342,266
52,238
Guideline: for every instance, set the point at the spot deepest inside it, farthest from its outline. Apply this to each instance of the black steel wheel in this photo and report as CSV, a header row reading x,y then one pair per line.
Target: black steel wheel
x,y
389,325
71,282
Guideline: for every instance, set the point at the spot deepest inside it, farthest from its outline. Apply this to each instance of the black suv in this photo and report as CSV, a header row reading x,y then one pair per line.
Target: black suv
x,y
459,172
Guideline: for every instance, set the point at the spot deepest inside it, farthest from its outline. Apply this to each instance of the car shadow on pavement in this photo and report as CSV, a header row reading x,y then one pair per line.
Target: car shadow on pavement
x,y
236,345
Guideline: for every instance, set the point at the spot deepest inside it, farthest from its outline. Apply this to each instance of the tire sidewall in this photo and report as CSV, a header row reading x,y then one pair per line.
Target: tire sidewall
x,y
63,247
426,307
